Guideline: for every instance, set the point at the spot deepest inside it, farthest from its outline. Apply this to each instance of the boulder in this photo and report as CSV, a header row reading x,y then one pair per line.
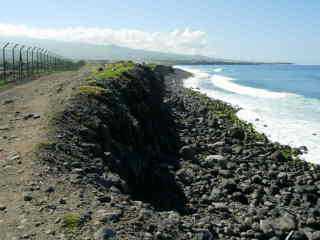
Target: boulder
x,y
216,195
286,223
298,235
215,160
211,158
229,185
278,156
315,235
203,235
187,152
105,233
266,226
237,133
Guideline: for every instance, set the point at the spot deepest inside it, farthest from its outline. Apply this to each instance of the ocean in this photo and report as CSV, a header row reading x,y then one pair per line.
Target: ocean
x,y
282,101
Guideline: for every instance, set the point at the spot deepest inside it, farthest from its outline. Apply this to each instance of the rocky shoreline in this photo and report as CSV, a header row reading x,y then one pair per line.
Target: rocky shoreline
x,y
164,162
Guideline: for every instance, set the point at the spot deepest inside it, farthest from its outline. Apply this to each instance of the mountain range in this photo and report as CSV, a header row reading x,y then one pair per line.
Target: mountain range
x,y
78,51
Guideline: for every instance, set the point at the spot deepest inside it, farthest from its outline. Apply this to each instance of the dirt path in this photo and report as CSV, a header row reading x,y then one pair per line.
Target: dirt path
x,y
24,114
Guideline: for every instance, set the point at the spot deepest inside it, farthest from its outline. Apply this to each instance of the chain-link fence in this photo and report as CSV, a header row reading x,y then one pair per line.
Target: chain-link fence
x,y
20,62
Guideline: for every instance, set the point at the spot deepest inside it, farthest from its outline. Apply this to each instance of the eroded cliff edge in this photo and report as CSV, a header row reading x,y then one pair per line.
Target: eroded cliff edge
x,y
164,162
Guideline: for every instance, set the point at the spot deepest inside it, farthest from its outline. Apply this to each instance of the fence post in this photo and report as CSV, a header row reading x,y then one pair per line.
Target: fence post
x,y
13,61
48,61
4,61
38,60
21,62
28,63
43,60
32,60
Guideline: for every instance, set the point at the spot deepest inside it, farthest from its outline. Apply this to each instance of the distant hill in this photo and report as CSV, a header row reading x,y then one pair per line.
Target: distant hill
x,y
84,51
100,52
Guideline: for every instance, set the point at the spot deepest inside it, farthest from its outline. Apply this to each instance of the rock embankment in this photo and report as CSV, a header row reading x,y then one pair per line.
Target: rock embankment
x,y
164,162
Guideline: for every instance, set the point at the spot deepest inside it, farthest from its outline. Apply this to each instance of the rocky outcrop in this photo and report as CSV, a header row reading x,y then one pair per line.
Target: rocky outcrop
x,y
121,125
170,163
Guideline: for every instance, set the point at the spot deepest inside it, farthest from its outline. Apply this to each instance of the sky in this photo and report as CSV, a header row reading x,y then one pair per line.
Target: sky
x,y
258,30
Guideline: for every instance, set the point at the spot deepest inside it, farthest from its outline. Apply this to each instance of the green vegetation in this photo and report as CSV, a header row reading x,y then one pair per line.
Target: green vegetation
x,y
114,70
289,152
2,83
93,90
95,83
224,110
71,221
152,66
228,112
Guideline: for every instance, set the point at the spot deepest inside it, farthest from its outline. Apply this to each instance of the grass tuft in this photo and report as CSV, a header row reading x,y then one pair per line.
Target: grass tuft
x,y
2,83
71,221
93,90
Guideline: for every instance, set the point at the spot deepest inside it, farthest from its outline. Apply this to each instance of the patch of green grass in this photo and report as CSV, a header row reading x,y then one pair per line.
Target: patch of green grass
x,y
114,70
289,152
2,83
71,221
152,66
93,90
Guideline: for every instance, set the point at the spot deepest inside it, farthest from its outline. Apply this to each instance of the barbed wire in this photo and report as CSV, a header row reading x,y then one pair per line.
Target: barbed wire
x,y
19,62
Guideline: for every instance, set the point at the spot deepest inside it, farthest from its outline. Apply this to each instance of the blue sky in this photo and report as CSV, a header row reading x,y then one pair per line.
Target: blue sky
x,y
266,30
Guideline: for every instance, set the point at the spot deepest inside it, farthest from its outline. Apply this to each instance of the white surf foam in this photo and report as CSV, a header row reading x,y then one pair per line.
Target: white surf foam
x,y
284,117
228,84
217,70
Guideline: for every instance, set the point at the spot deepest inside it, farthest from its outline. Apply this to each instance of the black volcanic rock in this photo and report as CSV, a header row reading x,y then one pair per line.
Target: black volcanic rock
x,y
160,169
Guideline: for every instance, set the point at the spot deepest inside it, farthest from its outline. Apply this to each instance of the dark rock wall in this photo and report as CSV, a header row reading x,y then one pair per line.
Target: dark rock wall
x,y
128,130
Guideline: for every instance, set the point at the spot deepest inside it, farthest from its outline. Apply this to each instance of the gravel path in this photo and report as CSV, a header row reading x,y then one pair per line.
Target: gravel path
x,y
25,111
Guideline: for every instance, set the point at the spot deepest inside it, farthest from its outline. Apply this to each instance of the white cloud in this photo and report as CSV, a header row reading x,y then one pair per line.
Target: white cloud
x,y
177,41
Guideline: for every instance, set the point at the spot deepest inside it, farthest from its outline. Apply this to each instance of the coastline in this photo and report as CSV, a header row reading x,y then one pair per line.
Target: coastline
x,y
268,176
282,115
180,166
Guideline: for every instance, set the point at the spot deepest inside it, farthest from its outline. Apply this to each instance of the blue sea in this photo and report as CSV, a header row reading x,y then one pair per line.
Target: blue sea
x,y
282,101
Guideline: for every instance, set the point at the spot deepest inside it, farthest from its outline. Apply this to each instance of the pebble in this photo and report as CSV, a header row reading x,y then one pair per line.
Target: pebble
x,y
27,196
104,233
50,189
4,128
31,115
7,101
2,207
14,157
107,216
